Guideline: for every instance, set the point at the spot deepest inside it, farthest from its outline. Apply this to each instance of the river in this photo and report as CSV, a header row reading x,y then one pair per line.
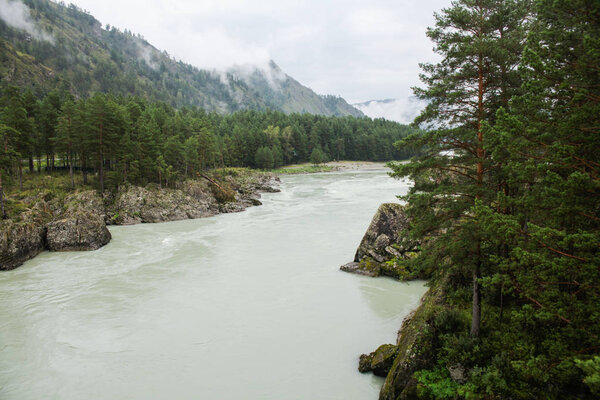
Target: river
x,y
238,306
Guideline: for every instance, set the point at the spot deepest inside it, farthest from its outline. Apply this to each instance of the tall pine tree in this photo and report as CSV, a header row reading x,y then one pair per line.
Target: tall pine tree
x,y
480,42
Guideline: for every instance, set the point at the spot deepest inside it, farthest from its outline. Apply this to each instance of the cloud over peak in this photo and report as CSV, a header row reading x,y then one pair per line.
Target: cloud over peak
x,y
17,15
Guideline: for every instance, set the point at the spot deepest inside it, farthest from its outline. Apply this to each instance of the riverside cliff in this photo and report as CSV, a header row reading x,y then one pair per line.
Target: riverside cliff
x,y
382,251
52,220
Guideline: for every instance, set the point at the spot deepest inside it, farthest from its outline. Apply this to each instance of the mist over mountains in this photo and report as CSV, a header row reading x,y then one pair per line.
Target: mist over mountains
x,y
46,45
399,110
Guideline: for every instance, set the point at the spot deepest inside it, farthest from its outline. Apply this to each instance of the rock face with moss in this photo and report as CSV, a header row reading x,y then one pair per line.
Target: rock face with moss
x,y
134,205
384,245
412,347
80,226
380,361
77,221
236,191
24,238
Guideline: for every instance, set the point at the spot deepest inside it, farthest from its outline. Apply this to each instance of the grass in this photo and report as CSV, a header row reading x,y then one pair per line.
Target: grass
x,y
302,169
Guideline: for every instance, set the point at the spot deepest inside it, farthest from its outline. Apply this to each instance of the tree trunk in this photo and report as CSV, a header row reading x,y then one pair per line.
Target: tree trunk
x,y
476,319
83,170
20,176
30,163
71,171
2,198
101,157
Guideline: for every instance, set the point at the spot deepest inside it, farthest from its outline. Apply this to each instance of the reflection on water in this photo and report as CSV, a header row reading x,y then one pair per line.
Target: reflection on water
x,y
249,305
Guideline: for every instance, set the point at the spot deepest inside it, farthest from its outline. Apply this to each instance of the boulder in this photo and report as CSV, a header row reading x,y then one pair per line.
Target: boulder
x,y
24,236
380,361
385,238
359,269
19,242
82,231
384,245
80,226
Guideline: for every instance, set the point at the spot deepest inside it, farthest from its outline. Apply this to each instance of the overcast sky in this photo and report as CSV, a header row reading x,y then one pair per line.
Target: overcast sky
x,y
360,50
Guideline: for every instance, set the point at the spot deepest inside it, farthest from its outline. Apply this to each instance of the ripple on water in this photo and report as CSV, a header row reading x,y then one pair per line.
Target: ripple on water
x,y
248,305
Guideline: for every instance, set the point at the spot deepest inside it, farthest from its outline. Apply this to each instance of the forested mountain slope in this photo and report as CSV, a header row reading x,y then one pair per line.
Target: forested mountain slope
x,y
45,45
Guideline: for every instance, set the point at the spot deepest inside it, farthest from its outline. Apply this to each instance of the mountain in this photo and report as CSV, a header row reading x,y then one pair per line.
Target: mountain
x,y
399,110
45,45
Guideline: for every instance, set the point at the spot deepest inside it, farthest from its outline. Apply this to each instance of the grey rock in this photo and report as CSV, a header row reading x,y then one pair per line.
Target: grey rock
x,y
357,268
384,241
80,226
386,230
364,363
85,231
458,373
24,238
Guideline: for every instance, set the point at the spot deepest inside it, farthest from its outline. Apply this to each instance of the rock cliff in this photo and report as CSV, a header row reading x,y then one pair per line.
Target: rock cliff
x,y
80,225
385,245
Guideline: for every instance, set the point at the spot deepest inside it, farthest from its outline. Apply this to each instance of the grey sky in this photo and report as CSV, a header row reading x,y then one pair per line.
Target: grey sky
x,y
360,50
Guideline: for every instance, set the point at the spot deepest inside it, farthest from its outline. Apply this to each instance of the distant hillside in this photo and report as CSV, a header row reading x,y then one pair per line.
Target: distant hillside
x,y
44,45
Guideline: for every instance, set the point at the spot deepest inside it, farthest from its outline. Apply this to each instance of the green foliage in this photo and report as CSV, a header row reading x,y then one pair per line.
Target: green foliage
x,y
591,368
507,199
264,158
86,57
318,156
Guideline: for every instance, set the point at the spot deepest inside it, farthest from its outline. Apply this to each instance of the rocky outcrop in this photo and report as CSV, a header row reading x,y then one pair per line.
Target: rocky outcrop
x,y
191,199
384,245
19,242
385,238
80,226
78,221
134,205
25,237
53,223
380,361
413,354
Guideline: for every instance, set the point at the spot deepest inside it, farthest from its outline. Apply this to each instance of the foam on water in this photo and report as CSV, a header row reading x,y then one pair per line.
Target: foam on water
x,y
249,305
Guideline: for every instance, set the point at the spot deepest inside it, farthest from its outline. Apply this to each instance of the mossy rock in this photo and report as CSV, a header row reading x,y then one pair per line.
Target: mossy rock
x,y
412,354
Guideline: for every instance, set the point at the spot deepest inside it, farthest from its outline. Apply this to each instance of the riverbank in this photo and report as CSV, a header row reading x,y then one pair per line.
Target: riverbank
x,y
162,299
332,166
57,219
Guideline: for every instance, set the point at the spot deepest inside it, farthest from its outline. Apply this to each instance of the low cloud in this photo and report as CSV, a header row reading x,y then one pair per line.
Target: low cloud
x,y
252,73
399,110
18,15
147,53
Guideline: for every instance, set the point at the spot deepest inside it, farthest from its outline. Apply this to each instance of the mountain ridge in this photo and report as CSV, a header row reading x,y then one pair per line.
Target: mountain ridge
x,y
46,45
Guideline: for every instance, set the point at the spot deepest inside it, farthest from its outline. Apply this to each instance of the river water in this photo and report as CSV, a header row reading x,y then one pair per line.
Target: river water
x,y
238,306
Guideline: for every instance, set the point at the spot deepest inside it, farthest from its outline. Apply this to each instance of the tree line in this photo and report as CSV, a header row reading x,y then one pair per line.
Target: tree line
x,y
130,140
507,193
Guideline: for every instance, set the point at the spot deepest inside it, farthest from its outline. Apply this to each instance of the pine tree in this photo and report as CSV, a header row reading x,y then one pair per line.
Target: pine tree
x,y
547,145
66,136
9,138
480,42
